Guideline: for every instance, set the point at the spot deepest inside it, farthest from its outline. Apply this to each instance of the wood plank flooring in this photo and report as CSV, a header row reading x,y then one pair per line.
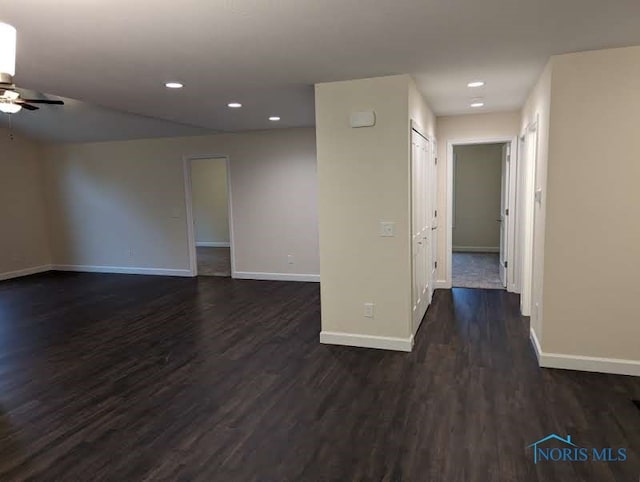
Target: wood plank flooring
x,y
213,261
116,377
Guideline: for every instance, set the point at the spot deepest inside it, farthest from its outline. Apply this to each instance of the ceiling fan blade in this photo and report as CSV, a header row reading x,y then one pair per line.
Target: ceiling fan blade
x,y
43,101
27,106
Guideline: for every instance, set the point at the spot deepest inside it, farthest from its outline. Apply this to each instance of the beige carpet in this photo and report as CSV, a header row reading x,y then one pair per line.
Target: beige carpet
x,y
476,270
213,261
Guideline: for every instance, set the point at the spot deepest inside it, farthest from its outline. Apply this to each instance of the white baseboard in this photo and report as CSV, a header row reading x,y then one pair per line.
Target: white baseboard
x,y
442,284
213,244
276,276
122,270
477,249
25,272
562,361
366,341
536,344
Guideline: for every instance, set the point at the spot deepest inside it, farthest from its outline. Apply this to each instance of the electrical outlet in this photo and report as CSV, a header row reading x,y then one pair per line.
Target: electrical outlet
x,y
368,310
290,259
387,229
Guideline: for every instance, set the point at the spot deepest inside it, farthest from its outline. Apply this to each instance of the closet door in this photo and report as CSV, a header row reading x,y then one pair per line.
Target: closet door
x,y
420,226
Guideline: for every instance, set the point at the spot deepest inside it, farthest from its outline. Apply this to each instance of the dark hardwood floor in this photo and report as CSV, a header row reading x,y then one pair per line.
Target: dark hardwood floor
x,y
116,377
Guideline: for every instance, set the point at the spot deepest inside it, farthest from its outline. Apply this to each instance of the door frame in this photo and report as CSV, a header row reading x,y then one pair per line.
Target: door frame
x,y
188,199
513,187
526,229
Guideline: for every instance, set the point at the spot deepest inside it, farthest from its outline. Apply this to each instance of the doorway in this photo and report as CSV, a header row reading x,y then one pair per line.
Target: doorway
x,y
479,248
208,207
481,245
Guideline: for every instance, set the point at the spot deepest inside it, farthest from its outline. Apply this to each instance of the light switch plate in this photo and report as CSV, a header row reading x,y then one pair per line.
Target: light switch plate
x,y
368,310
387,229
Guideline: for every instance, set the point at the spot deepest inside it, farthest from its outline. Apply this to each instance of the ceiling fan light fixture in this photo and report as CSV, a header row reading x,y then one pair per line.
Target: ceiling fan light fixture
x,y
7,49
10,95
10,108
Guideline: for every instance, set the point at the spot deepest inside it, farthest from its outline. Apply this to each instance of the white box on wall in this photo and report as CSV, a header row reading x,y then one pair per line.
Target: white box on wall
x,y
363,119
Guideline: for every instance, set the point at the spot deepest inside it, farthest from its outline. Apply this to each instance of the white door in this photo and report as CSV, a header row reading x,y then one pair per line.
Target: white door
x,y
420,226
503,218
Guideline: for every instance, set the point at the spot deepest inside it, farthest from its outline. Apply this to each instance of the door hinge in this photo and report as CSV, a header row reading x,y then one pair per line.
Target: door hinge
x,y
435,213
436,160
506,264
506,212
436,264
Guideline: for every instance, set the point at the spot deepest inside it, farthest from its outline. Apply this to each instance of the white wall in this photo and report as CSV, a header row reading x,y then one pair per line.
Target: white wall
x,y
477,196
210,200
364,178
473,126
122,204
24,245
592,237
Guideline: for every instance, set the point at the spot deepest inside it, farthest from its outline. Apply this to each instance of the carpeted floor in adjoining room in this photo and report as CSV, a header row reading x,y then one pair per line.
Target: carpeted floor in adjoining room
x,y
213,261
476,270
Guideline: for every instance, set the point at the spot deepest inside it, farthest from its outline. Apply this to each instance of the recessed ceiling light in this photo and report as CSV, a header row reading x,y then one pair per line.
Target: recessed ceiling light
x,y
173,85
477,104
477,83
274,118
234,105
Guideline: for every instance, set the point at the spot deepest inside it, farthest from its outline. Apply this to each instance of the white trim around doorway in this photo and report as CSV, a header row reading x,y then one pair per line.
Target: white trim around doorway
x,y
188,195
511,259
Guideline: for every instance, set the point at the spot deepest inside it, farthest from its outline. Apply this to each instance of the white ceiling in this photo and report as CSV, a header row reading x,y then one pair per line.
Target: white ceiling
x,y
267,54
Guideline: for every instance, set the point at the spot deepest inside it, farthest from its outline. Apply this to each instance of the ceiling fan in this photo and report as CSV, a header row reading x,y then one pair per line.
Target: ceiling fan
x,y
10,99
12,102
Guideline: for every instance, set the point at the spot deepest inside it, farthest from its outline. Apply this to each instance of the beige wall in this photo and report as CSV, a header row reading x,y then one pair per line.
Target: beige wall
x,y
364,179
209,194
477,192
122,203
592,239
23,229
420,112
473,126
